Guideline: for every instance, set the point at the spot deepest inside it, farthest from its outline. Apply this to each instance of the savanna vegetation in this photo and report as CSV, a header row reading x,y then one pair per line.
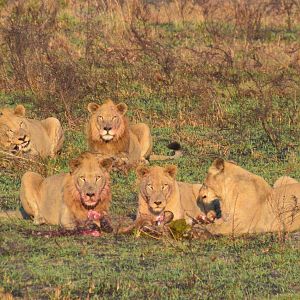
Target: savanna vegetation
x,y
222,77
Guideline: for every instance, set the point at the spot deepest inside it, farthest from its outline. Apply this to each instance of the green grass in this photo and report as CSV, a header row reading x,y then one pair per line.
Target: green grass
x,y
182,82
124,267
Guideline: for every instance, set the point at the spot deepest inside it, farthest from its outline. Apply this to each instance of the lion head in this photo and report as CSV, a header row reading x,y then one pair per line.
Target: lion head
x,y
156,186
216,177
90,176
107,122
14,136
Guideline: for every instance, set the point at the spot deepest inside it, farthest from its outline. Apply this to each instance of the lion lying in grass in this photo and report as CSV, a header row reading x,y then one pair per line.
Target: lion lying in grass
x,y
109,133
20,135
159,192
70,199
248,203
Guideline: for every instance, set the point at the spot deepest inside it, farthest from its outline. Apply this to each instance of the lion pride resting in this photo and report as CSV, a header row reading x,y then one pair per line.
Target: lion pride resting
x,y
69,199
19,134
248,203
109,133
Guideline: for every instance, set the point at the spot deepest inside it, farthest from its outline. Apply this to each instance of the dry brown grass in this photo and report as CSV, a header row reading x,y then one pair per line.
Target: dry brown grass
x,y
201,57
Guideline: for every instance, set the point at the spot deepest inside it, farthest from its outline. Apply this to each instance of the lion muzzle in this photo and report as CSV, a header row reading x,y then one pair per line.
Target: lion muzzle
x,y
157,202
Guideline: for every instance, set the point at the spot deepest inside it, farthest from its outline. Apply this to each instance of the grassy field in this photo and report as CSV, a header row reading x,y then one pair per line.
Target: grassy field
x,y
221,78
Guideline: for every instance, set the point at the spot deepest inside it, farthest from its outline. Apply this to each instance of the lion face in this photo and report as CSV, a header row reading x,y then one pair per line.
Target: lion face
x,y
108,119
91,178
206,194
14,136
156,186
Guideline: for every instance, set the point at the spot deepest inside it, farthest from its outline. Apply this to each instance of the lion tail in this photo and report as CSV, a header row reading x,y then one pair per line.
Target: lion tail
x,y
173,146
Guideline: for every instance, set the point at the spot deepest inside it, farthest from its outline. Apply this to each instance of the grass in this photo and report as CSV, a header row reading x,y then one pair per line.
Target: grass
x,y
210,84
123,267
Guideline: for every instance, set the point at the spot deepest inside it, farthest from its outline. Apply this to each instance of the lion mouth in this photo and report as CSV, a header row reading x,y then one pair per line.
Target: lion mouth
x,y
107,137
25,146
89,202
157,210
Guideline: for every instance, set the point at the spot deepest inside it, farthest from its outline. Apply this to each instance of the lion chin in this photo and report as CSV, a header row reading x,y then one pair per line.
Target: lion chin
x,y
157,210
107,137
89,203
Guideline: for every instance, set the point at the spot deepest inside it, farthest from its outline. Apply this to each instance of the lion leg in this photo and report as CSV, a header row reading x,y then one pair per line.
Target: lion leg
x,y
55,133
143,134
30,195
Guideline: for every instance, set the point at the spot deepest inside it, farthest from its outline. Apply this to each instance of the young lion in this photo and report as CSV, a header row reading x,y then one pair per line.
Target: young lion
x,y
160,193
248,203
19,134
109,133
69,199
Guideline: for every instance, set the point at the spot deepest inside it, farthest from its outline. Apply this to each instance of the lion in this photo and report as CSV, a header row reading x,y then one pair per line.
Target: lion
x,y
248,202
109,133
70,199
20,135
159,192
284,180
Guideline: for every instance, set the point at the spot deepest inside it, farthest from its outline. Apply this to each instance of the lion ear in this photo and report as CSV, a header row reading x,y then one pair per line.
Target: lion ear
x,y
218,165
141,171
19,110
74,164
171,170
122,108
93,107
106,163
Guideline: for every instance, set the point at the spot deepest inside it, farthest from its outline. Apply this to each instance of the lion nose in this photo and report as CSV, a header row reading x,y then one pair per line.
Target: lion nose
x,y
157,202
107,128
22,138
90,194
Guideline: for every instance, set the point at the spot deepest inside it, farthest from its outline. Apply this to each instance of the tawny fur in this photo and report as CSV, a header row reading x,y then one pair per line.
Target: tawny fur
x,y
181,197
248,203
134,140
57,199
45,137
284,180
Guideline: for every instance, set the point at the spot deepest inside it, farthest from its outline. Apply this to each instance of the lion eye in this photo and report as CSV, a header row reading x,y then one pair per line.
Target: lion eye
x,y
165,186
114,118
98,178
149,186
100,118
82,178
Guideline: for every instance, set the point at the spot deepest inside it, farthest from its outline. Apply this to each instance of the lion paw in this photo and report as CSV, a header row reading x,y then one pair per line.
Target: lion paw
x,y
38,220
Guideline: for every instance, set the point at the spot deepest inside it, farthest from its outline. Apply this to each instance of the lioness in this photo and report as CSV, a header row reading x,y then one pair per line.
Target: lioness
x,y
69,199
160,193
19,134
248,203
109,133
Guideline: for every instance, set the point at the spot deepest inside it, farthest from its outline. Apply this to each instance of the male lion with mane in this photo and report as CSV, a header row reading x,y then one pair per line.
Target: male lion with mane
x,y
70,199
248,203
19,134
109,133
